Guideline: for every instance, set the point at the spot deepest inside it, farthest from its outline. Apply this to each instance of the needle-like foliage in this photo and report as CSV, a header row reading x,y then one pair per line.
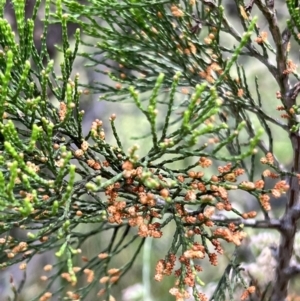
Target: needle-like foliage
x,y
209,137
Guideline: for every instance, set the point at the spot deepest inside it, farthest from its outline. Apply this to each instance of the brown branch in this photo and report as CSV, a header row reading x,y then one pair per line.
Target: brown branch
x,y
292,213
281,53
288,229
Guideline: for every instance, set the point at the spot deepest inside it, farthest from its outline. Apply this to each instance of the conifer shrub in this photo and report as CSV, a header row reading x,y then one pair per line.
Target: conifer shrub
x,y
211,145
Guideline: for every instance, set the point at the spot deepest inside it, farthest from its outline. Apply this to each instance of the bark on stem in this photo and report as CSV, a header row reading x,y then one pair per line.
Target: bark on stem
x,y
291,215
288,228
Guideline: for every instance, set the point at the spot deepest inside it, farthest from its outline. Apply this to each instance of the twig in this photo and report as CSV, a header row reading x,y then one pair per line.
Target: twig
x,y
293,92
249,6
259,224
281,54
